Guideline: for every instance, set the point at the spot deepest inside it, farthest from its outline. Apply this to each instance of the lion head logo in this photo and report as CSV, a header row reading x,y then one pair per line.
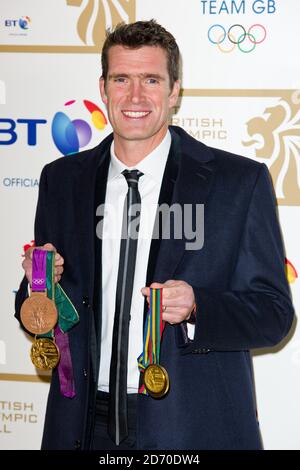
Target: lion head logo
x,y
276,137
99,15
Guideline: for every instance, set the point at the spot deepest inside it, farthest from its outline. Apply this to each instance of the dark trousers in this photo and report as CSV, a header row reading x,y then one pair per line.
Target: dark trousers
x,y
102,440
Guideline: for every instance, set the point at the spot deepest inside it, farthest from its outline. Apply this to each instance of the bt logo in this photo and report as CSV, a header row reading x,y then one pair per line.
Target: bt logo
x,y
23,22
68,135
9,126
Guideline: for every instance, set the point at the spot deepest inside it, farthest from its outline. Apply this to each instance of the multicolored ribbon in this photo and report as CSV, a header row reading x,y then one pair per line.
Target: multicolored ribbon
x,y
67,318
153,330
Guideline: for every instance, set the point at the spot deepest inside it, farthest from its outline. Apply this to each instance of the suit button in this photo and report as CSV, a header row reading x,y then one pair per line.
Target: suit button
x,y
84,372
77,444
201,351
86,301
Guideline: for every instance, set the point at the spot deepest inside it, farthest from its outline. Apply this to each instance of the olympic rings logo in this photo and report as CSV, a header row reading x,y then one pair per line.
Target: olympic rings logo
x,y
237,35
38,281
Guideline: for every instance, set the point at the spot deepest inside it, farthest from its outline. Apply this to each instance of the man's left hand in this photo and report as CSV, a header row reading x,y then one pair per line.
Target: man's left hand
x,y
178,300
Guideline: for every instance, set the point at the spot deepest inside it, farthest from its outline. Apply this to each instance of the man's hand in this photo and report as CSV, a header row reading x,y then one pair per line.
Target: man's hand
x,y
58,262
178,300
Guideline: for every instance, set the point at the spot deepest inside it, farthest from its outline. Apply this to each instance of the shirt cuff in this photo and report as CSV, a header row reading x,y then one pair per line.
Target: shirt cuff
x,y
190,324
192,319
190,331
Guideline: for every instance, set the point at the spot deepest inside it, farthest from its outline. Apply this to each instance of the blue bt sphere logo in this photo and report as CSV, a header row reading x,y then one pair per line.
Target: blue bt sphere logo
x,y
24,22
70,136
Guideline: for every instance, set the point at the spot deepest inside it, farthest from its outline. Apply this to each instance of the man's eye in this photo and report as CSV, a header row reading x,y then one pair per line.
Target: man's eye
x,y
152,81
120,79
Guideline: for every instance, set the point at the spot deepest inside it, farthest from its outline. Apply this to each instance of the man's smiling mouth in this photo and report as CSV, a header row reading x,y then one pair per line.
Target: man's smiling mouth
x,y
136,114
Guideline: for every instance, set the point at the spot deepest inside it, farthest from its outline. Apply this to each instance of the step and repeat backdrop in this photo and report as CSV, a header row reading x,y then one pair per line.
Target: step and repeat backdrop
x,y
240,92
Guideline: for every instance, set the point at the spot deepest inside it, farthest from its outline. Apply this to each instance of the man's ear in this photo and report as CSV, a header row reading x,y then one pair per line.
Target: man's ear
x,y
174,94
102,90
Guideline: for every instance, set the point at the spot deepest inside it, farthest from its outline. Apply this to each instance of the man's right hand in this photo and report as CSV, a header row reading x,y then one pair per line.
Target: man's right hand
x,y
58,262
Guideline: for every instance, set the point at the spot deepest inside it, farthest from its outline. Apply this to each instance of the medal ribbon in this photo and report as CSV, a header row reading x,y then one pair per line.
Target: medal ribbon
x,y
67,313
153,331
39,270
67,318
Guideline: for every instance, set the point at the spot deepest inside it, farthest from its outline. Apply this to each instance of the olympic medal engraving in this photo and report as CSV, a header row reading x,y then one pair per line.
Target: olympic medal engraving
x,y
156,380
38,313
44,354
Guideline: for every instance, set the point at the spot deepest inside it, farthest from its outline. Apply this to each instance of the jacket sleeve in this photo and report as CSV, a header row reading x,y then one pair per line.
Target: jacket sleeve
x,y
257,310
40,237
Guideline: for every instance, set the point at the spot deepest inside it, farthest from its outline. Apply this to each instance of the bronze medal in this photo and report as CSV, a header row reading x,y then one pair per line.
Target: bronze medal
x,y
156,380
39,313
44,354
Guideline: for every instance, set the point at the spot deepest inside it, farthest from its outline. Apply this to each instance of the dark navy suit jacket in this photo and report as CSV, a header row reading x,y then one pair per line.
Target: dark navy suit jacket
x,y
238,276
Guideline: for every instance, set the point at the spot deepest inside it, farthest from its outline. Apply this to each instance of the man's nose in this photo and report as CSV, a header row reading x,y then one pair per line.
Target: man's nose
x,y
136,91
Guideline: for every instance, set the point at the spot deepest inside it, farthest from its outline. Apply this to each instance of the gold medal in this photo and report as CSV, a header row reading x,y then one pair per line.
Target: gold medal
x,y
44,354
39,313
156,380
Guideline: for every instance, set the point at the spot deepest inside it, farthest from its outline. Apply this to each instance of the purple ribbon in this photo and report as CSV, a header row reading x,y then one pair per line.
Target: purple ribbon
x,y
65,368
42,272
39,258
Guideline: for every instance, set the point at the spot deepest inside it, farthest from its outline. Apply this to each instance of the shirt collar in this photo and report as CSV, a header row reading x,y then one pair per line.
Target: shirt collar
x,y
152,165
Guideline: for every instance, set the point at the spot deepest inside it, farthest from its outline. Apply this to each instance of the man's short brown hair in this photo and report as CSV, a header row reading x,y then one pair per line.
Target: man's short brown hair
x,y
143,33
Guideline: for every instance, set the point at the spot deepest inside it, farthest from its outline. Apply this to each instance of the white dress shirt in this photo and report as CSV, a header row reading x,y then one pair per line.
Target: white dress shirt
x,y
152,167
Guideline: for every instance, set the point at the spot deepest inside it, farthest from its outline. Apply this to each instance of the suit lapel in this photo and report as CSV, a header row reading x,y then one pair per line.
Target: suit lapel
x,y
165,197
187,180
100,192
89,192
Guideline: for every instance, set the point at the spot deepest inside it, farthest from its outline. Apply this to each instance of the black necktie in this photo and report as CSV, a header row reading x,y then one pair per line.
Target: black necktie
x,y
117,420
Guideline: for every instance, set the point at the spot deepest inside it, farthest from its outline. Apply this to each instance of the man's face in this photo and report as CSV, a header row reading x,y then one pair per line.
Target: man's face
x,y
137,93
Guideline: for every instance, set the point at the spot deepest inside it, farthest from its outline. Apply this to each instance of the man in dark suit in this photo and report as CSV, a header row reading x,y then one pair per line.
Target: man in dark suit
x,y
219,300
